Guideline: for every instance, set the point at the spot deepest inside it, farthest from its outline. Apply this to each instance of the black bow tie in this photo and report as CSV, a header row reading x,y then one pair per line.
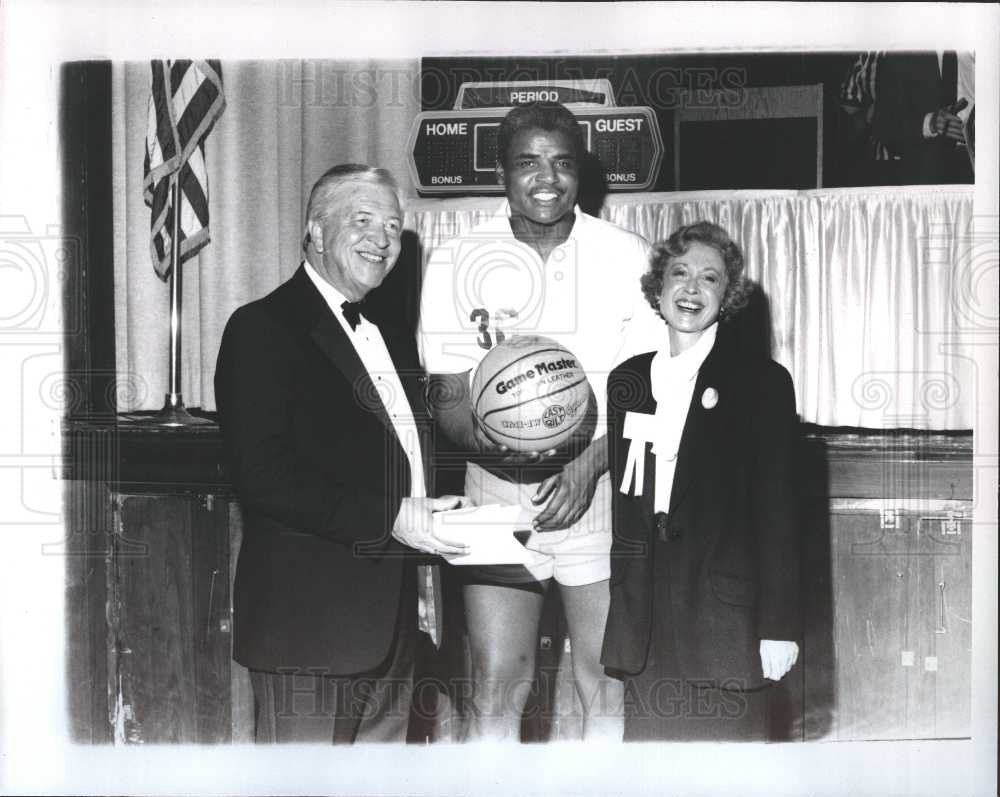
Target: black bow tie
x,y
353,311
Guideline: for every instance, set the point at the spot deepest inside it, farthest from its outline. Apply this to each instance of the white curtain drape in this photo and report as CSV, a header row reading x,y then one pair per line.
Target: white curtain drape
x,y
866,287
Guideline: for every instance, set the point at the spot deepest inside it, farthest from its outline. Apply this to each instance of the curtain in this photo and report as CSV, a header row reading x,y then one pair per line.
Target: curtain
x,y
865,288
862,292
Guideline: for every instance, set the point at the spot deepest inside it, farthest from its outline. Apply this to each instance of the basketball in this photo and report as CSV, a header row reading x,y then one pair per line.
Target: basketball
x,y
530,394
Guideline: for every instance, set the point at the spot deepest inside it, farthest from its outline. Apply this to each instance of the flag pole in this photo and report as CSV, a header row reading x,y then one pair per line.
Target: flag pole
x,y
174,412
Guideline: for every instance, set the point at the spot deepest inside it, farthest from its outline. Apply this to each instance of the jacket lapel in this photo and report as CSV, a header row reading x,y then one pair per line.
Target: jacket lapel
x,y
703,425
640,523
332,340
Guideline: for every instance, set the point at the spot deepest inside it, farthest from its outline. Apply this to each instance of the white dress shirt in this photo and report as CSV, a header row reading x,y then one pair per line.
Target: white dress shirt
x,y
672,380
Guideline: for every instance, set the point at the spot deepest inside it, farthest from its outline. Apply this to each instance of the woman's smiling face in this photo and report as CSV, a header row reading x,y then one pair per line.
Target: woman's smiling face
x,y
694,285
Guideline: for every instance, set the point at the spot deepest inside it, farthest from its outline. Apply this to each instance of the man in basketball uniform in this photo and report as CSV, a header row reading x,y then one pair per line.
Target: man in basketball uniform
x,y
537,267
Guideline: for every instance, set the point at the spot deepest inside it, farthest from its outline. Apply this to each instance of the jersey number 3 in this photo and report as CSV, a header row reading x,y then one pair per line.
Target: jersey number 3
x,y
484,339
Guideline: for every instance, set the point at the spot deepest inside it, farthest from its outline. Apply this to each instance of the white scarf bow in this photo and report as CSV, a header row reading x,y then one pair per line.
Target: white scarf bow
x,y
670,381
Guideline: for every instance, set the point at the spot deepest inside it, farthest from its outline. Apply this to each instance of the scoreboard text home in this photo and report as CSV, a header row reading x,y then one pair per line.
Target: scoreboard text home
x,y
455,152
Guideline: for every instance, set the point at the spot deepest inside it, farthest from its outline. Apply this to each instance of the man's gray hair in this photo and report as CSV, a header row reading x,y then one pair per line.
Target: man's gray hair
x,y
320,198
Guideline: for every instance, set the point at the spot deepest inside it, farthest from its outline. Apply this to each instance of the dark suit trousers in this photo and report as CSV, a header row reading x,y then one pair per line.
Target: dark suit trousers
x,y
314,706
660,705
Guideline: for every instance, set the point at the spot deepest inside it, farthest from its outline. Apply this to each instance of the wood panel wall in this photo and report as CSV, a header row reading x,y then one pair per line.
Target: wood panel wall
x,y
155,531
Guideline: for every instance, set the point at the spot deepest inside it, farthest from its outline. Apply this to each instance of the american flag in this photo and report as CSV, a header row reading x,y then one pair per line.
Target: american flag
x,y
185,101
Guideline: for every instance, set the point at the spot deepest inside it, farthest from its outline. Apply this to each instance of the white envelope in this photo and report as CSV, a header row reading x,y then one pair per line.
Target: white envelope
x,y
489,533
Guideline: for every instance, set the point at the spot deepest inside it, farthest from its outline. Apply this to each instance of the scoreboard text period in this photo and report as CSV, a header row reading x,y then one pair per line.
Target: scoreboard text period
x,y
504,94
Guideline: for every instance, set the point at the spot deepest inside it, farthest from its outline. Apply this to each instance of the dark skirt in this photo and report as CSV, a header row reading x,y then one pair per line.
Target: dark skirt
x,y
660,705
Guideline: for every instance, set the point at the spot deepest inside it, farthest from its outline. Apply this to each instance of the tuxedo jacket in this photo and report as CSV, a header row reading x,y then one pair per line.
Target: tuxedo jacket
x,y
320,474
732,550
908,87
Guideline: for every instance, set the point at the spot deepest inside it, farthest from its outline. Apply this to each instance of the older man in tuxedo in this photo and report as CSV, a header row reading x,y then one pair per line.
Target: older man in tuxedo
x,y
322,413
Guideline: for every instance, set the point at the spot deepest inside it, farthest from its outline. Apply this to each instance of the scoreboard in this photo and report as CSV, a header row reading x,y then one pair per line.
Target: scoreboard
x,y
455,152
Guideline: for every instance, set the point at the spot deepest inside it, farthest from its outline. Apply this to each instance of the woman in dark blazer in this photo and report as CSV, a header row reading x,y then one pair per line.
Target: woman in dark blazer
x,y
705,561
